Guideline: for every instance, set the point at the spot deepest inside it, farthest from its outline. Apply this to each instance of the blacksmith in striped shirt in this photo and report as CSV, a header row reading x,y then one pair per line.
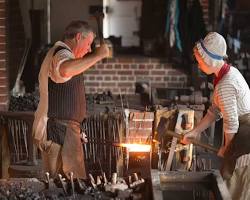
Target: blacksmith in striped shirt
x,y
231,101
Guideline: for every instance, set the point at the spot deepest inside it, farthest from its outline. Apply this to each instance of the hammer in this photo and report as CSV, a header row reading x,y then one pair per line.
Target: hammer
x,y
193,141
98,16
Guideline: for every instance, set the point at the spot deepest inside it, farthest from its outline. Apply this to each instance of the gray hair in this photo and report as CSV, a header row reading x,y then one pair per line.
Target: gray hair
x,y
75,27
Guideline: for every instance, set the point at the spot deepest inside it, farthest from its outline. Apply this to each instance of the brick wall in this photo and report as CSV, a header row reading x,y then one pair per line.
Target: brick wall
x,y
121,74
3,57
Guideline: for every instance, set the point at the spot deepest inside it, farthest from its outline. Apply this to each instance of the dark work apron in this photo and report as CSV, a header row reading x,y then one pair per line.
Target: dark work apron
x,y
72,149
239,146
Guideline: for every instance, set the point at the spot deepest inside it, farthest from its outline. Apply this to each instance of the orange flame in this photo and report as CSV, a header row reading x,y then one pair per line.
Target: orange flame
x,y
137,147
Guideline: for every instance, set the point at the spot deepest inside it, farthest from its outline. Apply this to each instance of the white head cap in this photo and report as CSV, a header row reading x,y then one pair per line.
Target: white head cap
x,y
213,49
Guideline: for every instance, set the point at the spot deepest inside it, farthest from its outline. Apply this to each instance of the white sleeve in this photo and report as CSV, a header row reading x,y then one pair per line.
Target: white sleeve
x,y
60,57
228,105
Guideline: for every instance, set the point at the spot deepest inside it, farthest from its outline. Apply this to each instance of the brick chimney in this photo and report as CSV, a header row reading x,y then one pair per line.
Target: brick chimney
x,y
4,96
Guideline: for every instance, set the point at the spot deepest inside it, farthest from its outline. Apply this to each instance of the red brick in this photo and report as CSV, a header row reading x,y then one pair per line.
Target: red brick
x,y
108,72
115,90
158,78
173,78
174,72
158,73
2,13
2,47
141,72
91,90
2,39
133,66
142,66
123,90
166,78
3,107
2,5
109,66
3,99
2,22
2,56
90,71
3,81
125,66
108,78
159,66
93,84
91,78
131,78
150,67
2,31
127,72
123,78
118,66
3,74
105,84
3,90
99,78
2,64
126,84
115,78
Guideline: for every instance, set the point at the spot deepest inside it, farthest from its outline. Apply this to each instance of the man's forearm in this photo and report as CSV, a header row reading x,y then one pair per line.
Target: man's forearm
x,y
228,139
205,123
74,67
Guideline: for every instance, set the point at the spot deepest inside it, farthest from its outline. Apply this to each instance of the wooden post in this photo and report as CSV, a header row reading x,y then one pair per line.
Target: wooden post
x,y
4,152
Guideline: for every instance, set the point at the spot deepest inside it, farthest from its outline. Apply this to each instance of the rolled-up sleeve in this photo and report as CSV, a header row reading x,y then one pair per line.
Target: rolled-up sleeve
x,y
60,57
227,102
214,110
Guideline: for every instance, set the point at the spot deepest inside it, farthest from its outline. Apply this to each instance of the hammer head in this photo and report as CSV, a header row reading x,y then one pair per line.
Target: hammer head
x,y
97,16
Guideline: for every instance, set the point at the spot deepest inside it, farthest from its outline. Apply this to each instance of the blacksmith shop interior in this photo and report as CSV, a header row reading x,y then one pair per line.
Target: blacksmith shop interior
x,y
125,99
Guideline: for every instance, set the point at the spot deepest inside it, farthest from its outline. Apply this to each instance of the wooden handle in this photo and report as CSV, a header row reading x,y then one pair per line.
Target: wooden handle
x,y
99,16
193,141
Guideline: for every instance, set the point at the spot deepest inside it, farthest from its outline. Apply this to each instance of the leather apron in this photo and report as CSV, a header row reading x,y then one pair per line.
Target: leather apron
x,y
239,146
72,148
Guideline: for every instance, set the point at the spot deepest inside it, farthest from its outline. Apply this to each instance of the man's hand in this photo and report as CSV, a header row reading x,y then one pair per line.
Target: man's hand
x,y
221,151
189,136
103,51
84,137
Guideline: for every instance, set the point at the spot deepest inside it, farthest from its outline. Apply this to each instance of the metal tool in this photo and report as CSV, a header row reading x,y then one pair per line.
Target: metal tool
x,y
193,141
71,175
47,179
63,184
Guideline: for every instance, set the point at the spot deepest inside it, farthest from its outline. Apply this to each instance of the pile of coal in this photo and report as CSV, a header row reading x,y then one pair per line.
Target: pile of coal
x,y
27,102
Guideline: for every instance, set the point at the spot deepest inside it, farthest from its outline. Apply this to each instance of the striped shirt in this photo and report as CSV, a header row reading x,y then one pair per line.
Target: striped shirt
x,y
243,161
231,99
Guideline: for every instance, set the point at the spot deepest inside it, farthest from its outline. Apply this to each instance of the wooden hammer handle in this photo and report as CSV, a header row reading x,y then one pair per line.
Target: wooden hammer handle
x,y
193,141
99,17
